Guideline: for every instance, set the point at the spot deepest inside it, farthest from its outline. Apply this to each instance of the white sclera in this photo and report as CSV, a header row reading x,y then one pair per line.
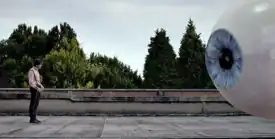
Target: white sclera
x,y
252,24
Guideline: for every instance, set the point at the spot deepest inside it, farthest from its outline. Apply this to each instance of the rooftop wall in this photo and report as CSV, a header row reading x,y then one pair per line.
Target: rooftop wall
x,y
120,101
119,95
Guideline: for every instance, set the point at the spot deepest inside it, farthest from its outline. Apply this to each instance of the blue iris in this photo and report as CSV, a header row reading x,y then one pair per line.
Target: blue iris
x,y
223,59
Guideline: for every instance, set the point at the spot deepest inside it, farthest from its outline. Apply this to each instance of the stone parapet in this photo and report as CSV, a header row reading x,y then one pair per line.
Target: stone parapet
x,y
119,102
120,95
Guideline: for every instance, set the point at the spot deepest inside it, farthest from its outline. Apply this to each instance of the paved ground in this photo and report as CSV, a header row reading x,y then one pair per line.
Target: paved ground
x,y
137,127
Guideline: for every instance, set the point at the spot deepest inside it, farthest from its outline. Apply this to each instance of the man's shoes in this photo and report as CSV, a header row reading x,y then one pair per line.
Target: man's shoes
x,y
35,121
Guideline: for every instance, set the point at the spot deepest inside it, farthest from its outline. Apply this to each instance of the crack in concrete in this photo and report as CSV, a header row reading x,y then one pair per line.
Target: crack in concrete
x,y
102,129
11,132
64,126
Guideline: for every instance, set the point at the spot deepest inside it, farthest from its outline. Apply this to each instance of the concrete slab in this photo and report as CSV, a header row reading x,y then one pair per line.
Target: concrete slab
x,y
137,127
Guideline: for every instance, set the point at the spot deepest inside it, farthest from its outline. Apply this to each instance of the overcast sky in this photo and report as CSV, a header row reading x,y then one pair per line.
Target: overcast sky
x,y
119,28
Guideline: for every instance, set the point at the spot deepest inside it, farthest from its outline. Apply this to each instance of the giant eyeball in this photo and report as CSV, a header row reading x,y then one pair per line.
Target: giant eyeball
x,y
240,56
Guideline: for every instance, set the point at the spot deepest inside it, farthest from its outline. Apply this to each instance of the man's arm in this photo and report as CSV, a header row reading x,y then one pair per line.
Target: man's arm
x,y
41,80
40,85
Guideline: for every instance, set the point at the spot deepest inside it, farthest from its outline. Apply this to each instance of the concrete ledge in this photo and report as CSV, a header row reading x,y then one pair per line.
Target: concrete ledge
x,y
64,107
120,101
127,114
119,95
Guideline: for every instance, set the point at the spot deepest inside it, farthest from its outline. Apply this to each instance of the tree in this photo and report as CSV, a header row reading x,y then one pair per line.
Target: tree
x,y
115,74
160,66
23,45
67,67
65,63
27,41
17,70
190,64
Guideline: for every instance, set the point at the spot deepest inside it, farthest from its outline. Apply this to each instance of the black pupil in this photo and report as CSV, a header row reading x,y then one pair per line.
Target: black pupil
x,y
226,60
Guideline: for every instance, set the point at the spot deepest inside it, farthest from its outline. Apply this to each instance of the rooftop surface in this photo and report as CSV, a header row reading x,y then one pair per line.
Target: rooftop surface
x,y
136,127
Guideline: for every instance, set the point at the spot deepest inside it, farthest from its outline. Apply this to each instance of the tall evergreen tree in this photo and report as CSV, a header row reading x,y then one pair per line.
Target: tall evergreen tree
x,y
160,65
190,64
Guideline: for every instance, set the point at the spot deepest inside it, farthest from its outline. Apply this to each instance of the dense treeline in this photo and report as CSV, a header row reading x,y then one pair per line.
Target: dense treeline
x,y
67,66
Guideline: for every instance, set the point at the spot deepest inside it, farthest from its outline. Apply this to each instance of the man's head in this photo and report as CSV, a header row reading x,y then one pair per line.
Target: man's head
x,y
37,63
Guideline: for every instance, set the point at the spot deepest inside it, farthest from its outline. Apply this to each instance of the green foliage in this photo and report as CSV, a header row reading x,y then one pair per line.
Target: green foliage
x,y
114,74
89,84
65,63
190,64
66,66
17,70
160,65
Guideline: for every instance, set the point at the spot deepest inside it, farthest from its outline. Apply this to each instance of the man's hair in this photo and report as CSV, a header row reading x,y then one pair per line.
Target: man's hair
x,y
37,62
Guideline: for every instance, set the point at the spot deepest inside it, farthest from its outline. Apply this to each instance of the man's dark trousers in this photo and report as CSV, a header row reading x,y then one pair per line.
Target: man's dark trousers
x,y
35,96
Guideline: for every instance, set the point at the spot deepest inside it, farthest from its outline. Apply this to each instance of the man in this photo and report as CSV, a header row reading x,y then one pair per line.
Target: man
x,y
35,88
